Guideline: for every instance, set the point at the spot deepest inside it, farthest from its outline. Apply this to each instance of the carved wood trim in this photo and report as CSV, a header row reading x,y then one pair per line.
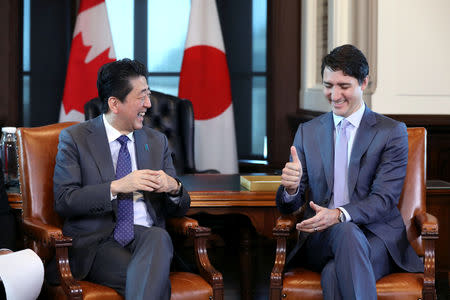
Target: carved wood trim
x,y
207,271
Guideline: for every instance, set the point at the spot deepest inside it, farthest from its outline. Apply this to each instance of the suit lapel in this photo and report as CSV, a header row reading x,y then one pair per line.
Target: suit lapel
x,y
325,140
142,150
99,148
144,144
363,138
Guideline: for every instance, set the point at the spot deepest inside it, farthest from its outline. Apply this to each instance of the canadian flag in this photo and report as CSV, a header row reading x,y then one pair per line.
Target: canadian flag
x,y
205,81
92,47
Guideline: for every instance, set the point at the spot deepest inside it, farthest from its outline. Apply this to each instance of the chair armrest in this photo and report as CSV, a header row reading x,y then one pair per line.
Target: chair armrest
x,y
189,227
285,225
181,225
70,285
41,232
427,225
52,236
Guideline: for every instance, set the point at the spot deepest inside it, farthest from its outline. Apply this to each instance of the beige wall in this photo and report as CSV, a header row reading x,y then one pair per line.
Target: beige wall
x,y
408,47
413,57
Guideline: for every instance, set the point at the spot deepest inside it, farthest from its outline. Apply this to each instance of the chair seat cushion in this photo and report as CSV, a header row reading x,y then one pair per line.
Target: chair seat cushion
x,y
400,286
184,286
91,291
189,286
301,283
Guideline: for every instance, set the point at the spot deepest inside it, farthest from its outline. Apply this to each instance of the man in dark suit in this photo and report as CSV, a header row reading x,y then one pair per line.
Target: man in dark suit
x,y
352,231
114,185
8,235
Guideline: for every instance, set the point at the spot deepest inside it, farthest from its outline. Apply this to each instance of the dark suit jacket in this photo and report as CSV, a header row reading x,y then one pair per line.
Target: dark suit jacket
x,y
83,174
7,221
376,173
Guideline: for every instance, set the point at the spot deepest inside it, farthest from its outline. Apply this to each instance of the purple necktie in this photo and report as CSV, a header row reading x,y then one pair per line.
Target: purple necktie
x,y
124,231
340,191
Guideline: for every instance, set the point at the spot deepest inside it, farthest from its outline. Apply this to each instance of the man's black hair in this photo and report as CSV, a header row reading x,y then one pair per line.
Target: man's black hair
x,y
348,59
114,79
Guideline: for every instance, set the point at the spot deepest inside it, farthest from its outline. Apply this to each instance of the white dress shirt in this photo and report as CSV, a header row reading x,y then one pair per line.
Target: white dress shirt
x,y
141,215
355,120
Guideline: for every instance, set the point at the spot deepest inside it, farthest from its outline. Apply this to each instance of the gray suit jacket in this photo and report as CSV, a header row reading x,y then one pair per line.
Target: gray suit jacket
x,y
83,174
376,174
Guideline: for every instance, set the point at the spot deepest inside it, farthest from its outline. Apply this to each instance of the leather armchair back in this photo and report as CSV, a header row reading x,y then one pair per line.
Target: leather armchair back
x,y
413,194
37,148
36,151
170,115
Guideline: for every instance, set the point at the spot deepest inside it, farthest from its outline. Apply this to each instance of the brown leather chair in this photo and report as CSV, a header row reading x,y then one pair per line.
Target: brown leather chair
x,y
422,231
37,148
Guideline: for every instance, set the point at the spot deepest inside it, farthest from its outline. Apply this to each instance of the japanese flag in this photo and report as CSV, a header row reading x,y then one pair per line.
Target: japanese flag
x,y
205,81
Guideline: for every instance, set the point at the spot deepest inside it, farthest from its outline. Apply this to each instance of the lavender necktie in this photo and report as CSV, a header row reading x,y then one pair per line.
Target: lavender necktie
x,y
124,231
340,191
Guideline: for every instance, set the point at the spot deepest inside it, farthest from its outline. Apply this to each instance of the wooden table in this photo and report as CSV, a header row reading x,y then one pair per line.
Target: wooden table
x,y
218,194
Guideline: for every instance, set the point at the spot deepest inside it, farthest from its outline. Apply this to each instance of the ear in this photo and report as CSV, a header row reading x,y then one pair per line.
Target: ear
x,y
365,83
113,104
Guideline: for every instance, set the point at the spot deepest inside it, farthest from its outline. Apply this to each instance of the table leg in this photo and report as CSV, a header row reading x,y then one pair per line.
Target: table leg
x,y
245,258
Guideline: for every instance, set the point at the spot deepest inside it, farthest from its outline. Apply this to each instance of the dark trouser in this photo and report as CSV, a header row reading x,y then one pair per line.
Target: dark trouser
x,y
350,261
138,271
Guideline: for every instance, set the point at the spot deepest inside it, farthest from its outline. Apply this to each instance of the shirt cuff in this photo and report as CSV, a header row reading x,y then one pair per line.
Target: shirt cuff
x,y
174,199
287,198
347,216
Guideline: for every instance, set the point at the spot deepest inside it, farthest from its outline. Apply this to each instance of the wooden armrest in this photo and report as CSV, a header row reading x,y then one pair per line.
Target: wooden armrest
x,y
41,232
50,235
427,225
181,225
189,227
284,226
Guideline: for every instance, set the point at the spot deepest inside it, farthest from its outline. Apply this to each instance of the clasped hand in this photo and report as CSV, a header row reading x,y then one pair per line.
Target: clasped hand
x,y
145,180
323,219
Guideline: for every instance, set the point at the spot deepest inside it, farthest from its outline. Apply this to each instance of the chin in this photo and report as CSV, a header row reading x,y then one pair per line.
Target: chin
x,y
339,112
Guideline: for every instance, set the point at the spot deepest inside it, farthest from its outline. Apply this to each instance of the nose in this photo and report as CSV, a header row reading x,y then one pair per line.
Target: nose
x,y
147,102
335,94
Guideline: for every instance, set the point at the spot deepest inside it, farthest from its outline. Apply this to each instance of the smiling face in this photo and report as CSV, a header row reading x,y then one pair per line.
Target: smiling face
x,y
128,115
343,92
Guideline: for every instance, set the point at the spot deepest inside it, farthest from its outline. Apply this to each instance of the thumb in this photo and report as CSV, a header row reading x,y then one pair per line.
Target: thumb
x,y
294,155
314,206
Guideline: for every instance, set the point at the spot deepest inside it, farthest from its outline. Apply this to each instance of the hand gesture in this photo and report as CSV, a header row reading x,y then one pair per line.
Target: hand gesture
x,y
323,219
145,180
292,173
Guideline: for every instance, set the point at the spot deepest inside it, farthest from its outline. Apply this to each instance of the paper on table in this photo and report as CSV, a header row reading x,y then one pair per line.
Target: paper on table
x,y
22,273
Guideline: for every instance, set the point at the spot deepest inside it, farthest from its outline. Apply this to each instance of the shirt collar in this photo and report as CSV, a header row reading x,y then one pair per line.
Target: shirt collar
x,y
354,118
112,134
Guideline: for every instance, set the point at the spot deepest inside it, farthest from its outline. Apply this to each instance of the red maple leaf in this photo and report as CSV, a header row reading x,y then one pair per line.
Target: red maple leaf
x,y
81,78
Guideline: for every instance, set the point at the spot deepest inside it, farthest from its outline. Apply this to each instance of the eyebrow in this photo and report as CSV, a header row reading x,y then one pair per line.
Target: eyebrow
x,y
339,83
145,91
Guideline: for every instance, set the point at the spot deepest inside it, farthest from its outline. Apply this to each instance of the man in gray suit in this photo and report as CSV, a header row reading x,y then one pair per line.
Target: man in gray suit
x,y
92,197
352,231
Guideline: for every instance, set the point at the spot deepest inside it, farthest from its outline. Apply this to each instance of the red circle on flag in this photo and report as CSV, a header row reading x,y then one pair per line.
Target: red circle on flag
x,y
205,81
